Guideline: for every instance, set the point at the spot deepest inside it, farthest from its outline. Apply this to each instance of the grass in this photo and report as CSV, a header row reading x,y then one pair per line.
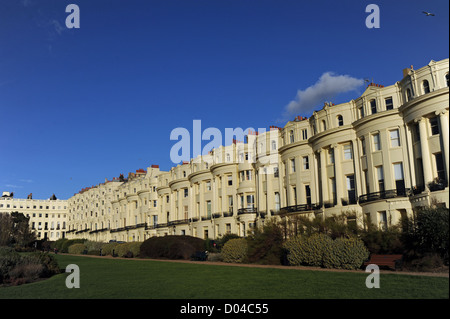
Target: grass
x,y
114,278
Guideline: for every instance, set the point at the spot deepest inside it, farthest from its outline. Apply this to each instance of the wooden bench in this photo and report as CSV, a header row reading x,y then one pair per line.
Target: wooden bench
x,y
391,261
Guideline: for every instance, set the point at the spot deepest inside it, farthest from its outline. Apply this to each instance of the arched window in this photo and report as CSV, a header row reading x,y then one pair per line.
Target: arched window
x,y
291,136
426,87
340,120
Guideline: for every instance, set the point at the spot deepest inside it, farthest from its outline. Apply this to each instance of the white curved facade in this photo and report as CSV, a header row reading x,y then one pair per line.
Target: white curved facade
x,y
377,156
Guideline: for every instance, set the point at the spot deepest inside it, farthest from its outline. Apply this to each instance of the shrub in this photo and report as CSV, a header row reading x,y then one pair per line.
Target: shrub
x,y
171,247
107,249
93,247
235,251
345,253
309,251
222,240
18,269
128,250
265,246
77,249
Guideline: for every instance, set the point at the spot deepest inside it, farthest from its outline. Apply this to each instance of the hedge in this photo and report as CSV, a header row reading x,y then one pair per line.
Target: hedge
x,y
77,249
131,249
171,247
235,251
321,251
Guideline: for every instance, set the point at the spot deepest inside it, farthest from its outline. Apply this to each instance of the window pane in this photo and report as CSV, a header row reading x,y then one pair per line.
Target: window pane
x,y
398,171
389,104
348,152
395,138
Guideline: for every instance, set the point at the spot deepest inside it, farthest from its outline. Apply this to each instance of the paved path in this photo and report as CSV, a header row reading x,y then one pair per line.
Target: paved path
x,y
218,263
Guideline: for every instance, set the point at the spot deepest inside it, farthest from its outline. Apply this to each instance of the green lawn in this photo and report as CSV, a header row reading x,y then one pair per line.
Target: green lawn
x,y
114,278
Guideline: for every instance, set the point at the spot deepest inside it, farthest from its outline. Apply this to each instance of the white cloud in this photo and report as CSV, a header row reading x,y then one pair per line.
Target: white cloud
x,y
26,180
13,186
326,88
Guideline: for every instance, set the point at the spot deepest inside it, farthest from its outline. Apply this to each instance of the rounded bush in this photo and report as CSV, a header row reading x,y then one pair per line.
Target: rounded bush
x,y
346,253
77,249
235,250
307,251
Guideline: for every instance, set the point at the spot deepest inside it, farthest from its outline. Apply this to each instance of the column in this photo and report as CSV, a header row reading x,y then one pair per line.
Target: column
x,y
340,186
323,175
443,119
426,162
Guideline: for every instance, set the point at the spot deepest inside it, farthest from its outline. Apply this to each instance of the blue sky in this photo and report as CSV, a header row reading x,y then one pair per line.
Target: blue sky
x,y
79,105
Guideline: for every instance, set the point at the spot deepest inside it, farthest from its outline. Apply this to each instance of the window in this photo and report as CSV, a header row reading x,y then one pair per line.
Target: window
x,y
230,203
373,106
294,194
389,104
305,162
340,120
248,175
333,190
380,177
274,145
376,142
275,171
186,192
208,185
208,208
308,195
399,180
230,180
439,166
395,138
417,132
277,201
425,87
304,134
363,145
250,201
351,189
291,136
228,158
331,156
361,112
293,165
434,124
383,220
366,178
408,95
447,79
324,125
348,152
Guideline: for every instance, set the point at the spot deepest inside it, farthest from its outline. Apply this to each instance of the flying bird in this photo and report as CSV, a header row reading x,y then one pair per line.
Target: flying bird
x,y
428,13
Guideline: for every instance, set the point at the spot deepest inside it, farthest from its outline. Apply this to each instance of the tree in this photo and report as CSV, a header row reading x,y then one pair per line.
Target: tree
x,y
6,228
14,229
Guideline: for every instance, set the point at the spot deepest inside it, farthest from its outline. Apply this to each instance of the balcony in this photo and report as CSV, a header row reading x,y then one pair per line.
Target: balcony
x,y
248,210
391,193
437,185
303,208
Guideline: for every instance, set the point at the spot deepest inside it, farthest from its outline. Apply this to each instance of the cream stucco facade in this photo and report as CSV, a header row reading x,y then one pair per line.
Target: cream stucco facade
x,y
377,156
